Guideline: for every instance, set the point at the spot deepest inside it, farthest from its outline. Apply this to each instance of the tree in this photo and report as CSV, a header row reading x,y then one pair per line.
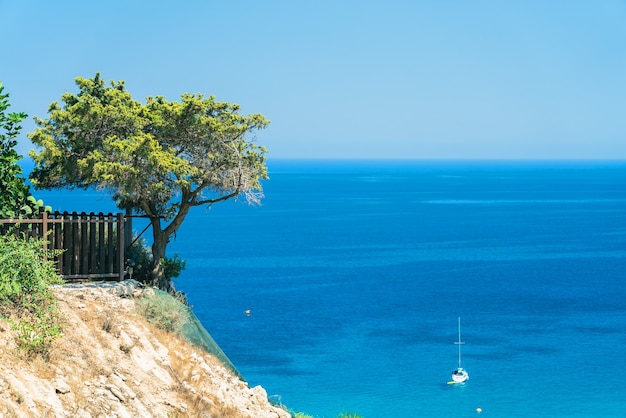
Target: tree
x,y
159,159
15,198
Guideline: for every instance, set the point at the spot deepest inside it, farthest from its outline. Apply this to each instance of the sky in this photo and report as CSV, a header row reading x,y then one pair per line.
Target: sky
x,y
447,79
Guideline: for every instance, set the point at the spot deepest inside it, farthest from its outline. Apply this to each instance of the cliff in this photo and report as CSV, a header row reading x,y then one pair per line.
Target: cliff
x,y
110,362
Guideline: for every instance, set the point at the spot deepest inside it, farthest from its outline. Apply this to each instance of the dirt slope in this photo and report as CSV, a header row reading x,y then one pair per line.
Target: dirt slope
x,y
111,363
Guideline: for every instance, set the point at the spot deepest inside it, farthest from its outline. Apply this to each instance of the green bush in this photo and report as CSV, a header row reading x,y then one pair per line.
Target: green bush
x,y
164,311
15,198
140,259
25,297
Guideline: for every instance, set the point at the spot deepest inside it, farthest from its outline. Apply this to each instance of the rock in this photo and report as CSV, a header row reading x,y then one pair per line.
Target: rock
x,y
120,375
148,292
259,393
61,387
117,393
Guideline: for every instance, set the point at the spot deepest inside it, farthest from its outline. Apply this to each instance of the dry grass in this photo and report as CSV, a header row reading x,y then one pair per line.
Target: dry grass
x,y
105,345
186,373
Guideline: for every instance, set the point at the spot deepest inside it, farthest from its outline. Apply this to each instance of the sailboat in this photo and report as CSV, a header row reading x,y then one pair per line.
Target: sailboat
x,y
459,375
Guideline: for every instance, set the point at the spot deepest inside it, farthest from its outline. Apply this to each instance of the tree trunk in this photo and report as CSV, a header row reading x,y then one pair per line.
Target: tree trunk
x,y
159,246
161,237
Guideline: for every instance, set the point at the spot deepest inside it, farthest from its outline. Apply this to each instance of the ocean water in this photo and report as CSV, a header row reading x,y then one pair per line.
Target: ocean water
x,y
355,273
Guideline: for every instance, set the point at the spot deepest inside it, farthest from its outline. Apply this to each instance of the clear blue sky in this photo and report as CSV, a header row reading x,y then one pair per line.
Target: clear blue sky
x,y
349,79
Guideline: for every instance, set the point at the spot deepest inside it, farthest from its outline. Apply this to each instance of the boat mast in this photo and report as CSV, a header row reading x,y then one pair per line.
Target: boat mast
x,y
459,343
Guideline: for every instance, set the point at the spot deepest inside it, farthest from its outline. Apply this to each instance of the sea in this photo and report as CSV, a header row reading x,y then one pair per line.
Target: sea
x,y
341,292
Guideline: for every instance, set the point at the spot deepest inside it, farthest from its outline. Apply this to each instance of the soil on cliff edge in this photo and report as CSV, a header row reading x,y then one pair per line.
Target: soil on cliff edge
x,y
110,362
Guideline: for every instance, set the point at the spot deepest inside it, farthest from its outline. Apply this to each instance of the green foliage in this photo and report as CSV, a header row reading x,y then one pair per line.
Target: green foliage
x,y
15,199
164,311
25,297
38,326
140,259
173,266
159,158
150,154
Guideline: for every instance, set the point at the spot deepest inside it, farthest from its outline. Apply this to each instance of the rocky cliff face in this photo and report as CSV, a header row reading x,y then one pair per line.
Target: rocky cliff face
x,y
111,363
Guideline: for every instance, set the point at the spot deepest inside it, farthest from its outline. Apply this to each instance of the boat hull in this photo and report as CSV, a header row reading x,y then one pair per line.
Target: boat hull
x,y
460,376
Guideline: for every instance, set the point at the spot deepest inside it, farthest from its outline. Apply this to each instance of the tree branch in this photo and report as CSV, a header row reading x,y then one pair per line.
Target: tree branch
x,y
218,199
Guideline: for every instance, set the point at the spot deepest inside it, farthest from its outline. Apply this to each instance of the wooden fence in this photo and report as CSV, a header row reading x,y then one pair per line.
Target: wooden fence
x,y
93,245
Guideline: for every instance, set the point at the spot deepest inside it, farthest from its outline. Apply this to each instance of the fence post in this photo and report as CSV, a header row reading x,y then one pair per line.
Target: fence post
x,y
58,241
68,232
44,232
128,237
121,246
101,244
93,231
84,240
110,244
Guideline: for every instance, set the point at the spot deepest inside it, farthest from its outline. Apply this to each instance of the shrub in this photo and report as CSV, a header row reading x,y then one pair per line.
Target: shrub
x,y
164,311
25,296
140,259
15,199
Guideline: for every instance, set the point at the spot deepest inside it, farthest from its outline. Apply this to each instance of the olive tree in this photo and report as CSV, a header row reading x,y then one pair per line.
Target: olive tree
x,y
157,158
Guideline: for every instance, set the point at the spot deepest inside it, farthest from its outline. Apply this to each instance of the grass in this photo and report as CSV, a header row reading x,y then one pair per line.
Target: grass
x,y
107,329
164,311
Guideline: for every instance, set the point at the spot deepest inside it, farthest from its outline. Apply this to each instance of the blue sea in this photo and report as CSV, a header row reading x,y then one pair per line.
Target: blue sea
x,y
355,273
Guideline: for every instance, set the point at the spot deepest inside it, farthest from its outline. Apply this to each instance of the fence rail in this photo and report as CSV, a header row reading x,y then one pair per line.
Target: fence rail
x,y
93,245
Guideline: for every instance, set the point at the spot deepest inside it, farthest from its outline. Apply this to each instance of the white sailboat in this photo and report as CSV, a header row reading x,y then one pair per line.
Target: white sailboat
x,y
459,375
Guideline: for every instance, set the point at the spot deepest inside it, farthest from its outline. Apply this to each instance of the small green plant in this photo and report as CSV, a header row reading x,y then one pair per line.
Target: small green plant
x,y
140,259
26,275
173,266
38,328
164,311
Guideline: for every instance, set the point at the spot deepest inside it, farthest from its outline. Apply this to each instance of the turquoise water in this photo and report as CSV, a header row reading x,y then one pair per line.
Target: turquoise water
x,y
355,274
